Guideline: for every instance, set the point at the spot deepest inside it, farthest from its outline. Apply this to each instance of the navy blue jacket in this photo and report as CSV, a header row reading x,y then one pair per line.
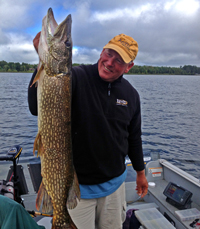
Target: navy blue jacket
x,y
106,125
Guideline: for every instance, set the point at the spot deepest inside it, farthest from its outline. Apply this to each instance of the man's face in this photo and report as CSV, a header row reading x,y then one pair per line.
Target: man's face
x,y
111,66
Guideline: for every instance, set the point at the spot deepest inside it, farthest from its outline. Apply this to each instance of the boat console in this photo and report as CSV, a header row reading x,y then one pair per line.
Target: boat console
x,y
170,193
178,196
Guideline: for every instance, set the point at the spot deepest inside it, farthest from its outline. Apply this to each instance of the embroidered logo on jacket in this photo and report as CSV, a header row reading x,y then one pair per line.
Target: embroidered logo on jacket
x,y
122,102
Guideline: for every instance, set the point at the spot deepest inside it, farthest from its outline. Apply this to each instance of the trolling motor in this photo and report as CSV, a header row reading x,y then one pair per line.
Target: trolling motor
x,y
9,187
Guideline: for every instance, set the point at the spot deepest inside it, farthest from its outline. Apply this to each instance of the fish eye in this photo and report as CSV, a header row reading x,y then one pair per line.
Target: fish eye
x,y
68,44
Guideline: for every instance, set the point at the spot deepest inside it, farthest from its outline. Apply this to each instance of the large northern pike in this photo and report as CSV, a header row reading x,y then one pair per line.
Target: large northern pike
x,y
53,141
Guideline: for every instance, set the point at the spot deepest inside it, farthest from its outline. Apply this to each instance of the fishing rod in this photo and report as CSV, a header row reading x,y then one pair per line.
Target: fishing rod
x,y
35,213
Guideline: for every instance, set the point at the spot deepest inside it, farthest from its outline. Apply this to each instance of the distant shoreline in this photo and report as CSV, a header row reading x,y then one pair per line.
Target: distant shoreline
x,y
135,70
17,72
127,74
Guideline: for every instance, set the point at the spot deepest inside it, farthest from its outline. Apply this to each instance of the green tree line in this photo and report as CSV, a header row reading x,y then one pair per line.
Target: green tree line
x,y
16,67
185,70
137,69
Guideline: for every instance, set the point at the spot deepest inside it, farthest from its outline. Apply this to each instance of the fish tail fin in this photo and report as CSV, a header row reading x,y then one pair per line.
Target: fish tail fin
x,y
41,67
43,195
74,193
38,146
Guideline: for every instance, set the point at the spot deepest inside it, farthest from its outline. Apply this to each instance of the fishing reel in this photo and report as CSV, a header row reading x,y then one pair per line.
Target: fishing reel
x,y
14,152
11,186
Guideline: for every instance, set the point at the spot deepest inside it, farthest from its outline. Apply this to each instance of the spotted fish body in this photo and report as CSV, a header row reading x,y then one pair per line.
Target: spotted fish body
x,y
53,141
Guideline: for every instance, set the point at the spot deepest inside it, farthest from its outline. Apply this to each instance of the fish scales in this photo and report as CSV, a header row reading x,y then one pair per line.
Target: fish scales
x,y
53,141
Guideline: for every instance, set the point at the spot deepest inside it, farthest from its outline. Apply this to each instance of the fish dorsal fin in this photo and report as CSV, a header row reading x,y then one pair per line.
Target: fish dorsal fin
x,y
74,193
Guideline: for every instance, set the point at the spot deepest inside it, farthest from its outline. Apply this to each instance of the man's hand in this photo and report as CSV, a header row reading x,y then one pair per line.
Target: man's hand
x,y
142,184
36,41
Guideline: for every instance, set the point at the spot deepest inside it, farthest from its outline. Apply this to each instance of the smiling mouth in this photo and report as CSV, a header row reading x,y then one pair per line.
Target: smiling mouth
x,y
107,69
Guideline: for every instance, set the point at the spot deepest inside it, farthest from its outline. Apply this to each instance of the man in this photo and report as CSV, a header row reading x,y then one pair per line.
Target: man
x,y
106,126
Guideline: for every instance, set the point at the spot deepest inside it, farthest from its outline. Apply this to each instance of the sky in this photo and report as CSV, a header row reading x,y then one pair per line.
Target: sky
x,y
167,31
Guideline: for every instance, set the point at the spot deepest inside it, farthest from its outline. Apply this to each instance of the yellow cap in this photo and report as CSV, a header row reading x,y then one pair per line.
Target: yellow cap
x,y
125,45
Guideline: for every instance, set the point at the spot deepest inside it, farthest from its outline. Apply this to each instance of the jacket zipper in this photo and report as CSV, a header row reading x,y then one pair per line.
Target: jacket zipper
x,y
109,87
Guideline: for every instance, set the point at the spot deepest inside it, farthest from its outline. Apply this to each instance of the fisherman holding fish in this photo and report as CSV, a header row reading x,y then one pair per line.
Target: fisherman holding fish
x,y
106,126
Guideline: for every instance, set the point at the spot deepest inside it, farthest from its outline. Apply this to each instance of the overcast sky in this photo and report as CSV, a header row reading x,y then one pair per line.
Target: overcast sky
x,y
167,31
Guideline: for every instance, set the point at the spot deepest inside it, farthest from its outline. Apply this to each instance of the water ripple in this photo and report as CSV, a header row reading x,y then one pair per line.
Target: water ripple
x,y
170,117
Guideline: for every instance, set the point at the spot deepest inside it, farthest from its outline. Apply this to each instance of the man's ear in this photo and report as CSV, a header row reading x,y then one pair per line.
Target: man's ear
x,y
129,67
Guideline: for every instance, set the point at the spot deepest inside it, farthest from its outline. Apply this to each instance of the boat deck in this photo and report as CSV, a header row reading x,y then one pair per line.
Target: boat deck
x,y
160,173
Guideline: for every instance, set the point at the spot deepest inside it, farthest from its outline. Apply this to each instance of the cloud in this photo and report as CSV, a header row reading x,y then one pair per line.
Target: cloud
x,y
4,39
183,6
18,49
124,14
14,15
85,55
167,31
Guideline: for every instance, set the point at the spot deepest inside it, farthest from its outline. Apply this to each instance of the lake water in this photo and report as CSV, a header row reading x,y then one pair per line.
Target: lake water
x,y
170,117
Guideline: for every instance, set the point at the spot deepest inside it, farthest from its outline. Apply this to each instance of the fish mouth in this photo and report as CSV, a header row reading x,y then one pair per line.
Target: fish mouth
x,y
61,31
54,33
51,22
55,45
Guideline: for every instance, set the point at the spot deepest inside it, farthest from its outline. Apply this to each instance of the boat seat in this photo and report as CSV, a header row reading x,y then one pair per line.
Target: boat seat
x,y
21,183
35,174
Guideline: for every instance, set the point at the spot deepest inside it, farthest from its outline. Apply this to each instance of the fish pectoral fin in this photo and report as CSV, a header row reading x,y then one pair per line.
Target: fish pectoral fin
x,y
74,193
36,143
38,146
43,195
41,67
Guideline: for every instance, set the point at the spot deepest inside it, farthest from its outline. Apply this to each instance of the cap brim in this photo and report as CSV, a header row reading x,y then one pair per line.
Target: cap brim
x,y
126,58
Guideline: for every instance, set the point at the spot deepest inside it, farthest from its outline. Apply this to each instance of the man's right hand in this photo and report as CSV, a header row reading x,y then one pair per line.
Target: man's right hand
x,y
36,41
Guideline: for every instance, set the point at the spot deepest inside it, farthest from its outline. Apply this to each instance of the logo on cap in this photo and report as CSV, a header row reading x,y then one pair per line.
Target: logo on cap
x,y
124,43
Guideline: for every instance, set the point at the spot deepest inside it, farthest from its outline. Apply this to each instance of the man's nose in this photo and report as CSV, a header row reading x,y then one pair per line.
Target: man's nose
x,y
111,61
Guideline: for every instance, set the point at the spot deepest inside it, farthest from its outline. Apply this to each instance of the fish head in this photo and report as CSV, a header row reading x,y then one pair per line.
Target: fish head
x,y
55,45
